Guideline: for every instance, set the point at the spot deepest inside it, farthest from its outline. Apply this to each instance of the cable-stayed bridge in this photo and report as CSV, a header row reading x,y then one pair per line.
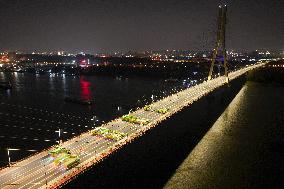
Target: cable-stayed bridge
x,y
40,171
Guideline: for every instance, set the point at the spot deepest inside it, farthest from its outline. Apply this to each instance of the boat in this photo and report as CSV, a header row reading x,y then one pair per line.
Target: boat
x,y
171,80
78,101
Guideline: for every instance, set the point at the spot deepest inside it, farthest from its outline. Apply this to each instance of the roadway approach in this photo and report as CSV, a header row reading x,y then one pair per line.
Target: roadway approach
x,y
39,171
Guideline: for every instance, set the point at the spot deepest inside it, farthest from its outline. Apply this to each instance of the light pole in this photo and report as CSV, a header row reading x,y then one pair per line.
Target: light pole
x,y
59,134
94,118
45,177
8,152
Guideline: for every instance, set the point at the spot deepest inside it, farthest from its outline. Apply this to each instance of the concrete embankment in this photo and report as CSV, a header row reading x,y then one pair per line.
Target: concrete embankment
x,y
150,160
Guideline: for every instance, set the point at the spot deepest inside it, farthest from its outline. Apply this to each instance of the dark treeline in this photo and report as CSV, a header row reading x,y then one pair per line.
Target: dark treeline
x,y
161,70
193,70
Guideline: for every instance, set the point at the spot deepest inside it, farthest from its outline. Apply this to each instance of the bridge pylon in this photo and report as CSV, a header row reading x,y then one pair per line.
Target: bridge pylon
x,y
220,46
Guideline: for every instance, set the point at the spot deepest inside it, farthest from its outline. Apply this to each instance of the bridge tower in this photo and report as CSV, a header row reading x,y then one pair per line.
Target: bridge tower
x,y
220,46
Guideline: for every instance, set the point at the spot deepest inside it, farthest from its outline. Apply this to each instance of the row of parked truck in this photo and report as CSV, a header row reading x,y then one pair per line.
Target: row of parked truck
x,y
63,156
108,133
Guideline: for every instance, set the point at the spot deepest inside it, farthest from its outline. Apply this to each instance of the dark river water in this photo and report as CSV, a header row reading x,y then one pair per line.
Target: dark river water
x,y
34,109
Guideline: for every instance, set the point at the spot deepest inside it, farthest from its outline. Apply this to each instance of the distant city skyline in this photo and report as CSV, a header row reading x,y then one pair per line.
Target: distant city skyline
x,y
130,25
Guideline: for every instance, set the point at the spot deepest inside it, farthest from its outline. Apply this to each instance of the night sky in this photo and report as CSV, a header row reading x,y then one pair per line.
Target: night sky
x,y
120,25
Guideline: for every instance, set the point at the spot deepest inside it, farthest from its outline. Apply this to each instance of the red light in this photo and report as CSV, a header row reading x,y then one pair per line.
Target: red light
x,y
86,93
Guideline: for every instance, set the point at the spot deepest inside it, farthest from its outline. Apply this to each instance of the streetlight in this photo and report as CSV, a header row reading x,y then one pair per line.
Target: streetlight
x,y
45,176
8,152
94,118
152,97
59,134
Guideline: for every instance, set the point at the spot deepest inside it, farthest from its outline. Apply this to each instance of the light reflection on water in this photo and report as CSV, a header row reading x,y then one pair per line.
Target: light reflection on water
x,y
85,89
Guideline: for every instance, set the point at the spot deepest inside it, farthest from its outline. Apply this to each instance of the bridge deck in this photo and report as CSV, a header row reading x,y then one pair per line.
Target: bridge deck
x,y
37,170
